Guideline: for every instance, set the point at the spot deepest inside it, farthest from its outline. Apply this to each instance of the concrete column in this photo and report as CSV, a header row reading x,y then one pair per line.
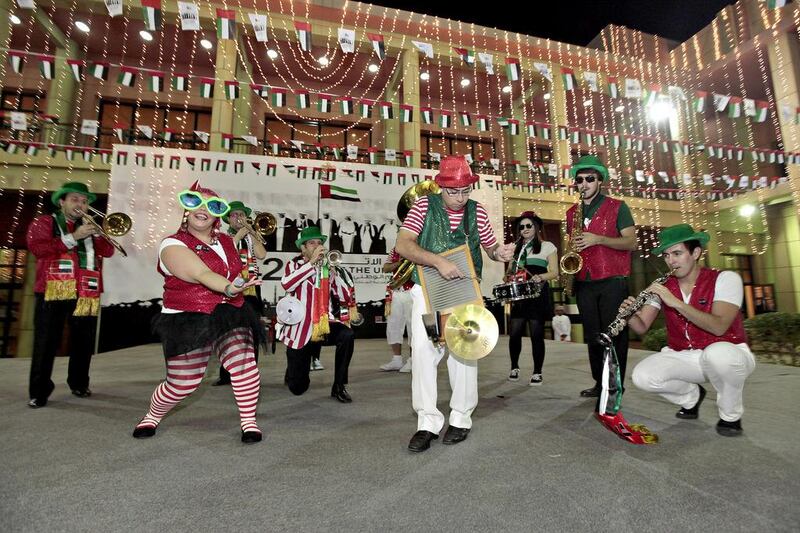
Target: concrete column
x,y
518,144
61,95
222,109
5,31
559,117
411,130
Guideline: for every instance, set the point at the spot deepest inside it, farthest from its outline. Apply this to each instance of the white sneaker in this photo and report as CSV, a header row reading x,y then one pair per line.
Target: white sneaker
x,y
406,367
395,364
514,375
536,379
316,364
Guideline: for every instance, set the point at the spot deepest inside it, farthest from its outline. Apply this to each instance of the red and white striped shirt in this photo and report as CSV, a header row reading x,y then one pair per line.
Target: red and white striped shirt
x,y
298,281
416,218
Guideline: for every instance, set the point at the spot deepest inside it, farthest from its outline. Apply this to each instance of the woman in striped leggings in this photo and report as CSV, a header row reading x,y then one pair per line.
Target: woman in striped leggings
x,y
203,313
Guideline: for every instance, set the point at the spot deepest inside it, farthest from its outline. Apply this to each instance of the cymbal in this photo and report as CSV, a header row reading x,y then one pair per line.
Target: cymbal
x,y
412,194
471,332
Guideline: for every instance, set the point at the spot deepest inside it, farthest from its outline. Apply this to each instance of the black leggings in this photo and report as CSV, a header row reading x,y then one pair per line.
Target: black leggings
x,y
516,330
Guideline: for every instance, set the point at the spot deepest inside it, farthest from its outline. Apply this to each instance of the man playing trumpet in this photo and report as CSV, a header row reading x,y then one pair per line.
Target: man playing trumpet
x,y
437,223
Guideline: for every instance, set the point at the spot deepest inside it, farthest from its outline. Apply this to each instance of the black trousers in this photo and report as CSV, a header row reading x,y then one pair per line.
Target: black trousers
x,y
598,303
48,323
258,306
298,362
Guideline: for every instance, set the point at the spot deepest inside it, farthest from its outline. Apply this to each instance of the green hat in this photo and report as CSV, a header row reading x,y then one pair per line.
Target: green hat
x,y
72,186
236,205
311,232
589,161
679,233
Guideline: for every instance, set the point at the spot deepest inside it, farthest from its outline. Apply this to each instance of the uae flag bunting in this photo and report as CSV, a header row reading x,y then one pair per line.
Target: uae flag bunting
x,y
16,60
47,66
346,104
205,164
278,97
303,35
651,94
445,119
600,137
377,45
168,134
259,90
119,129
76,66
151,9
562,133
575,135
231,89
468,56
482,122
191,162
613,87
227,141
427,115
699,101
333,192
588,138
615,140
105,156
69,154
222,165
665,147
226,24
530,129
275,143
762,109
776,4
127,76
735,107
409,157
512,68
406,113
387,110
238,167
366,108
324,103
207,87
99,70
544,132
52,149
122,158
303,99
156,82
180,82
466,119
568,75
140,159
320,151
502,122
32,149
797,115
158,160
337,152
629,142
175,162
372,152
513,127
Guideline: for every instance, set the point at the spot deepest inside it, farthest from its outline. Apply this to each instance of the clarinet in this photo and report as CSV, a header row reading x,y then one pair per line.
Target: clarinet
x,y
606,338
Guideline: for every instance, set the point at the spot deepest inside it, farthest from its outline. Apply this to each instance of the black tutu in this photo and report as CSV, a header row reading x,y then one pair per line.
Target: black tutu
x,y
183,332
540,308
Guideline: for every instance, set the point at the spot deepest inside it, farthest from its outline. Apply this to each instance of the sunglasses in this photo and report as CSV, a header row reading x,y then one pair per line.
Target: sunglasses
x,y
525,226
588,179
191,200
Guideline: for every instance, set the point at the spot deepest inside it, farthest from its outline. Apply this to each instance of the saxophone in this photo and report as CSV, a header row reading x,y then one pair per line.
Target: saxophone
x,y
606,338
571,262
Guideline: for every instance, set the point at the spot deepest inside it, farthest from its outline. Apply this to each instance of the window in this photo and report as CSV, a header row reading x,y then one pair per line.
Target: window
x,y
312,131
743,265
26,102
184,121
478,149
12,277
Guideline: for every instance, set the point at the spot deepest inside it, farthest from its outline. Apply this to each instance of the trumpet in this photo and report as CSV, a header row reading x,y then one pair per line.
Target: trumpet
x,y
333,257
116,224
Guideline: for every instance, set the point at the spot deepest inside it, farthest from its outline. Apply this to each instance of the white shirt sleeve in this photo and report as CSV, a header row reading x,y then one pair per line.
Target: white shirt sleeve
x,y
729,288
166,243
69,241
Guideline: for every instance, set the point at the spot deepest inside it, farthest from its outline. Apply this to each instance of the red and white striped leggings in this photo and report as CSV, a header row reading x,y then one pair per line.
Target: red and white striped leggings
x,y
186,371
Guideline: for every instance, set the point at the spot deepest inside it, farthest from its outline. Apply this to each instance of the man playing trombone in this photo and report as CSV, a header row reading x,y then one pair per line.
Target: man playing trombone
x,y
69,265
251,248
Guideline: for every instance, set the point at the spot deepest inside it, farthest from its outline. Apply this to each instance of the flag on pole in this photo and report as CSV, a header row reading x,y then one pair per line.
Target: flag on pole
x,y
466,119
16,60
427,115
47,65
152,14
333,192
259,90
347,105
468,56
76,66
127,76
180,82
387,110
207,87
278,96
409,157
568,76
613,87
231,89
366,108
482,122
156,81
99,70
226,24
324,103
512,68
406,113
377,45
372,152
303,35
445,119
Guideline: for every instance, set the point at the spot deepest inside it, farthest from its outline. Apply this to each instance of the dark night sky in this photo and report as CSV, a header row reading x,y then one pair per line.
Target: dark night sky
x,y
576,21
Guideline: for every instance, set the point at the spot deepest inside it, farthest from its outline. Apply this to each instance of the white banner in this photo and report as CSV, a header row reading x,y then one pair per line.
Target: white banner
x,y
259,23
364,231
190,16
347,40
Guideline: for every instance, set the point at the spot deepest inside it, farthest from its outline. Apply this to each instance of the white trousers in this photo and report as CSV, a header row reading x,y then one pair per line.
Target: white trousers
x,y
424,363
400,317
674,375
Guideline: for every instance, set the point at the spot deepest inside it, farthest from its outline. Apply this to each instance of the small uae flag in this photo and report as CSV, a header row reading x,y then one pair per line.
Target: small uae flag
x,y
222,165
191,162
512,68
613,88
52,149
278,97
562,133
372,152
699,101
140,159
122,158
158,160
119,130
47,65
387,110
775,4
544,132
735,107
347,105
175,162
303,99
332,192
568,76
226,24
156,82
207,87
238,167
575,135
762,109
409,157
202,136
651,94
205,164
303,35
168,134
337,151
259,90
466,119
445,119
427,115
377,45
127,76
319,149
32,149
272,169
406,113
468,56
530,128
482,122
615,140
797,115
227,141
16,60
76,67
180,82
324,103
99,70
275,143
366,108
231,89
69,153
152,14
105,156
513,126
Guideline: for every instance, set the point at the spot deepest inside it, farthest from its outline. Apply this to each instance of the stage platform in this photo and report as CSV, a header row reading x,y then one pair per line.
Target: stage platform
x,y
536,459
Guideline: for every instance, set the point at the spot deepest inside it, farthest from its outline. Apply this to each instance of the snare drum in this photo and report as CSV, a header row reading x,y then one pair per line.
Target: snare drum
x,y
517,290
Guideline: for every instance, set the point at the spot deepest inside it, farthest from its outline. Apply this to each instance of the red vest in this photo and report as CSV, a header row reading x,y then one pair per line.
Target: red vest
x,y
195,297
682,334
600,262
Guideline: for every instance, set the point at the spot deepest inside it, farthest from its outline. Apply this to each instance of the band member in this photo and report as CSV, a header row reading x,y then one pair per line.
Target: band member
x,y
706,340
437,223
535,260
69,264
204,313
398,315
562,326
251,250
605,243
328,293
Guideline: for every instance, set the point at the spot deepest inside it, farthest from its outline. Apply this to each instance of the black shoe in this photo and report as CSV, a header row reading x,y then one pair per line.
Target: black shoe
x,y
421,441
454,435
692,412
592,392
144,432
729,429
81,393
220,382
251,437
36,403
340,393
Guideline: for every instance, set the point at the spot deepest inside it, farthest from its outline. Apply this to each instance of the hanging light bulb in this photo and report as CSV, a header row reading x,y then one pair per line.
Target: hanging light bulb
x,y
507,89
373,68
465,82
145,35
324,61
205,43
14,19
81,25
424,76
272,54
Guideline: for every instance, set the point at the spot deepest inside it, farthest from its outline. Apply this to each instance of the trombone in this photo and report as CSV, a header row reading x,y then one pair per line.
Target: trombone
x,y
261,225
113,225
